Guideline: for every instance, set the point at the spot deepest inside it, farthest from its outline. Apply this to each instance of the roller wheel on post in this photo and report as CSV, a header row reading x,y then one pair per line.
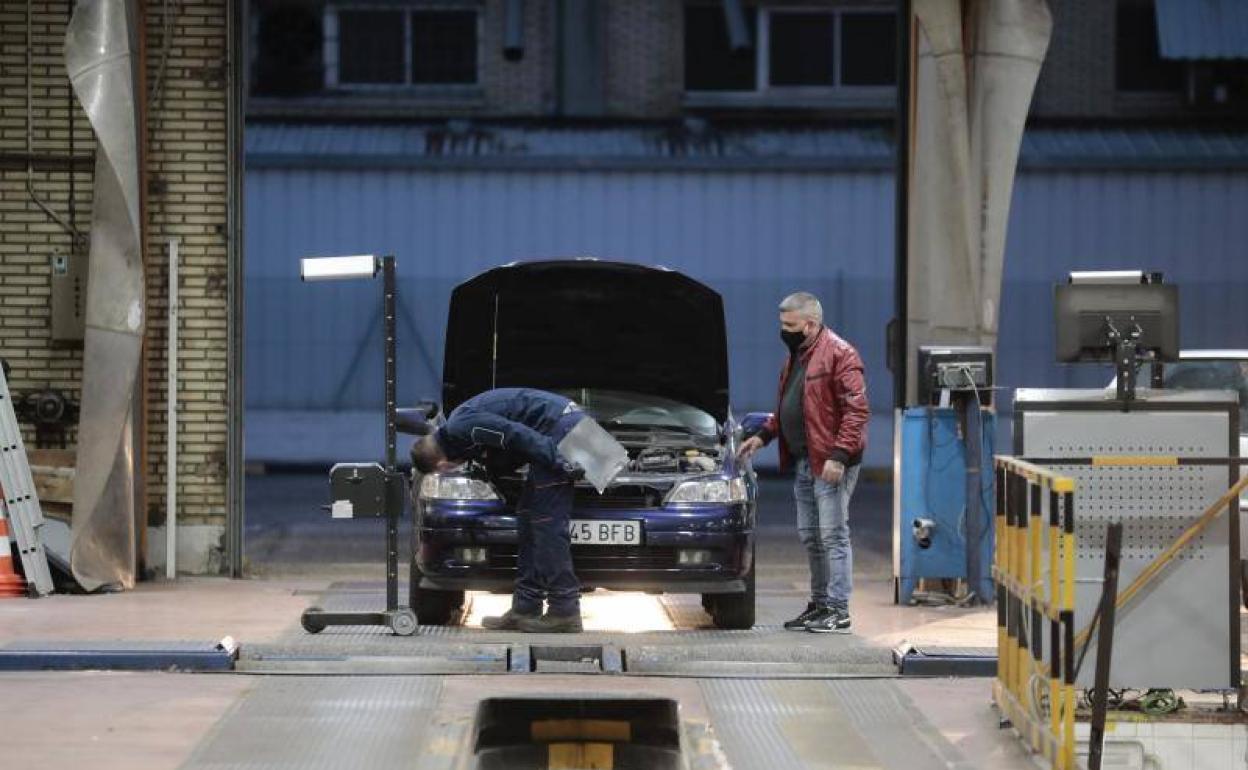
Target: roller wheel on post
x,y
403,622
310,623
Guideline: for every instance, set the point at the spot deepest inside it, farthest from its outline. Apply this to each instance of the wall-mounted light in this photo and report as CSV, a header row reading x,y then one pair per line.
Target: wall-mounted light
x,y
338,268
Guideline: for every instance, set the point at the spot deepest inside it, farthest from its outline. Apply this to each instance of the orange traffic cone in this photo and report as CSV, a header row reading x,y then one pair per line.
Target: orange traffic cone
x,y
11,583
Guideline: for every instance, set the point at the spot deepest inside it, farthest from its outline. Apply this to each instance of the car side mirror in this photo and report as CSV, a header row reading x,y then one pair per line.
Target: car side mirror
x,y
753,423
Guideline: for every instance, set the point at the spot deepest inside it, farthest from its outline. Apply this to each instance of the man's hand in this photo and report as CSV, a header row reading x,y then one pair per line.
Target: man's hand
x,y
832,472
749,447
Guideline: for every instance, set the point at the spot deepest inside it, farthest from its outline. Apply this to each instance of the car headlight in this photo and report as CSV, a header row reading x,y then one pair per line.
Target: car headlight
x,y
437,487
709,491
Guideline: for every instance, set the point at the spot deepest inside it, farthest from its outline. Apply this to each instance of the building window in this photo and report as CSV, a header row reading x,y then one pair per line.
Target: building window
x,y
288,44
813,52
388,48
710,63
801,50
1138,62
869,41
370,47
444,46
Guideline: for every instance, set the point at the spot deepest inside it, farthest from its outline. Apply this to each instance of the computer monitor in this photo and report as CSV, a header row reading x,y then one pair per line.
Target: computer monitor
x,y
1087,313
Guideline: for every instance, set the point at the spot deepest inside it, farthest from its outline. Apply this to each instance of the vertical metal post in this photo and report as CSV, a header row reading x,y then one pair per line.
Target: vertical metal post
x,y
1067,615
237,80
392,513
1104,645
901,216
171,420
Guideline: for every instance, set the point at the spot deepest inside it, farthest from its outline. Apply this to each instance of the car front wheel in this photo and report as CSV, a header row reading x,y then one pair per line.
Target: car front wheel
x,y
437,608
735,611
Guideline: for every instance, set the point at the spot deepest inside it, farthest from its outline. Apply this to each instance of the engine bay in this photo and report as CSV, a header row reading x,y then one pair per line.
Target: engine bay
x,y
671,459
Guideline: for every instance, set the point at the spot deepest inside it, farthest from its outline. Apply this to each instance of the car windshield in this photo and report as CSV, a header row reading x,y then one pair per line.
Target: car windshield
x,y
614,407
1211,375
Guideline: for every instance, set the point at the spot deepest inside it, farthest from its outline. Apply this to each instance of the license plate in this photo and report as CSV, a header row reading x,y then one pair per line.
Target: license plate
x,y
586,532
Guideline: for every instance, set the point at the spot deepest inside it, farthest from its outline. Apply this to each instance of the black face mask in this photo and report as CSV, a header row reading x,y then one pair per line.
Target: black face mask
x,y
792,340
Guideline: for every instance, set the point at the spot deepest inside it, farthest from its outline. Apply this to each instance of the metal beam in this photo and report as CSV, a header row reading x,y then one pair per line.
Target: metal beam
x,y
236,10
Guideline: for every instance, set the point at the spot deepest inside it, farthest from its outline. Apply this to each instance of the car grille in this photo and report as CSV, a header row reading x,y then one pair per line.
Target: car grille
x,y
623,496
598,557
633,496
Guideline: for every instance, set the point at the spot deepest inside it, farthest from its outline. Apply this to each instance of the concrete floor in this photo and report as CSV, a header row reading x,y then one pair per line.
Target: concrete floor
x,y
158,720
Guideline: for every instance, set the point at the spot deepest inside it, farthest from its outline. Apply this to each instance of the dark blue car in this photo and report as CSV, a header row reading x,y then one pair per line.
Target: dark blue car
x,y
644,351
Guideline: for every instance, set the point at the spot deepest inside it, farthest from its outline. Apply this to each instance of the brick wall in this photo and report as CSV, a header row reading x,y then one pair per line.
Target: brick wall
x,y
28,237
1077,79
645,69
186,199
518,88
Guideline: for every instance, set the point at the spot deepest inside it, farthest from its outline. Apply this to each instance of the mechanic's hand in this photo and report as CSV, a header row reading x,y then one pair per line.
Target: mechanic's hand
x,y
749,447
832,472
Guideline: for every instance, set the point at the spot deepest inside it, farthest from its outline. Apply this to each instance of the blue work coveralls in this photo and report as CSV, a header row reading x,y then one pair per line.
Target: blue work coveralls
x,y
516,426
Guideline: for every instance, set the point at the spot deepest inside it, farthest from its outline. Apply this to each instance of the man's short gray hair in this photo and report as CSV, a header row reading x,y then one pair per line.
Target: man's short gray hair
x,y
804,303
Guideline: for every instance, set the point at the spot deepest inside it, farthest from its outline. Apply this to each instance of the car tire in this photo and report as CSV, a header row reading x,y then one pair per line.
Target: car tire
x,y
708,603
735,612
437,608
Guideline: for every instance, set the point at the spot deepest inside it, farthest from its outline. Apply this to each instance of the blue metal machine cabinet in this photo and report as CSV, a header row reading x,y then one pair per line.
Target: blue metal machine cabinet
x,y
932,532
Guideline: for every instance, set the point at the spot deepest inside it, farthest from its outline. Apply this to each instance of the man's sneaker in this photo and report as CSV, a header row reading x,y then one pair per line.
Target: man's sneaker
x,y
508,621
799,623
829,621
551,624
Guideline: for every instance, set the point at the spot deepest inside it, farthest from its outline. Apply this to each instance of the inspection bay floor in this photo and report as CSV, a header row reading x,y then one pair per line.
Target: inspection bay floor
x,y
359,697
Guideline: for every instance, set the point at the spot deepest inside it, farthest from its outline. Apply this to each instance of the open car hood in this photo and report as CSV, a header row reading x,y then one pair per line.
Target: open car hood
x,y
584,323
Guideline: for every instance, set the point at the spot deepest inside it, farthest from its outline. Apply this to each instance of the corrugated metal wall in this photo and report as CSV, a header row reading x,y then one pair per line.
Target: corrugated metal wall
x,y
754,236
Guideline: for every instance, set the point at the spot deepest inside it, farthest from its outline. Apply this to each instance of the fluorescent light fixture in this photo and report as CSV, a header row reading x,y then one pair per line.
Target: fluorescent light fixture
x,y
1108,276
337,268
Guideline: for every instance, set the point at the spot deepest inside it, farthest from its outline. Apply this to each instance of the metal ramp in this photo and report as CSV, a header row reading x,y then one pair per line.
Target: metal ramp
x,y
436,723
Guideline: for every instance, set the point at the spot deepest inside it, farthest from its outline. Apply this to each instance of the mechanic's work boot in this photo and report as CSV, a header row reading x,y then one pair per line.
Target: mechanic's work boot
x,y
799,623
551,624
508,621
830,621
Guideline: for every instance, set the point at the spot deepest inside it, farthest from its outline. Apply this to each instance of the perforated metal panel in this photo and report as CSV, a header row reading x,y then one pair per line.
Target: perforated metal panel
x,y
1182,631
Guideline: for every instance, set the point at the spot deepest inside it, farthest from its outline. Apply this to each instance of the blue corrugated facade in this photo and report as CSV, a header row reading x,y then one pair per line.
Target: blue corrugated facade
x,y
1202,29
753,234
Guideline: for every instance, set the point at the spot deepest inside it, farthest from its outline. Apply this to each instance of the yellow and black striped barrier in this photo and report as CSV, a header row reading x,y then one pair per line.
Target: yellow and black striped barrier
x,y
1034,568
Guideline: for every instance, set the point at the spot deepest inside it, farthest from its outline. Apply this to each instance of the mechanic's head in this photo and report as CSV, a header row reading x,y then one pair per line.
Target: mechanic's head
x,y
429,456
801,318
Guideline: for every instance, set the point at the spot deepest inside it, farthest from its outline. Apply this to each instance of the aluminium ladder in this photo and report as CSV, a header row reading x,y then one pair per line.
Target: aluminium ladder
x,y
20,499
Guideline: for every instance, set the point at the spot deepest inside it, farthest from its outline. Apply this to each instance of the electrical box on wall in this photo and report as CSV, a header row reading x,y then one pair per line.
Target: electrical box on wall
x,y
69,299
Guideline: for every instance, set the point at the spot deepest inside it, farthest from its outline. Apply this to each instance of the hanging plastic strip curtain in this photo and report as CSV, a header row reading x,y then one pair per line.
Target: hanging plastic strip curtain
x,y
99,60
975,73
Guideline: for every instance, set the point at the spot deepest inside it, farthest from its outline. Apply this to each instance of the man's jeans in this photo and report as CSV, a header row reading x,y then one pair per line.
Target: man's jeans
x,y
545,552
823,527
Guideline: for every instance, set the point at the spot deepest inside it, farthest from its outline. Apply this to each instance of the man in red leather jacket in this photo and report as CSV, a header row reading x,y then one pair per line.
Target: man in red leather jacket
x,y
821,422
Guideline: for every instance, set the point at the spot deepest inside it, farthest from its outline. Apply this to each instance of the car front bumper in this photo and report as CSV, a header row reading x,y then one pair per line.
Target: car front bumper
x,y
722,534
